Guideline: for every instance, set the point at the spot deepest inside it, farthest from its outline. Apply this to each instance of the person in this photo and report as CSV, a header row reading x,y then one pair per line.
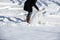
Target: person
x,y
28,7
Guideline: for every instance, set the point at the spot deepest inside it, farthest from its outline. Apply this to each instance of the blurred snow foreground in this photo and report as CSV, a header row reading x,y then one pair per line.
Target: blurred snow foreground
x,y
44,24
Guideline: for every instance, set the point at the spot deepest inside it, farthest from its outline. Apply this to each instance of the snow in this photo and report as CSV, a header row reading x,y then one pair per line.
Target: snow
x,y
44,24
23,31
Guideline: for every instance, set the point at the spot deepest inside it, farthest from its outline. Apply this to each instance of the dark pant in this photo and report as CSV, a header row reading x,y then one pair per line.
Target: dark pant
x,y
29,14
28,17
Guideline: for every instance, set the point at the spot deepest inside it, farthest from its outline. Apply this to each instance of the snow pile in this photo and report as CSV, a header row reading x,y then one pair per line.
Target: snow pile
x,y
47,15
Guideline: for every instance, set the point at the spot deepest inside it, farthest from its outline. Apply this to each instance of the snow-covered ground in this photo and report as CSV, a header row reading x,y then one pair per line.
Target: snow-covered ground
x,y
23,31
44,24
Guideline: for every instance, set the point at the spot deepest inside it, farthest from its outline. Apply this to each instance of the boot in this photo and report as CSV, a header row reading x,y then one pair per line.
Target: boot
x,y
28,19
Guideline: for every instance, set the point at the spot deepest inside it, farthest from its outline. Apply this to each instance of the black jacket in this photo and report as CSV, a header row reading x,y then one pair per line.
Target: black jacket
x,y
29,4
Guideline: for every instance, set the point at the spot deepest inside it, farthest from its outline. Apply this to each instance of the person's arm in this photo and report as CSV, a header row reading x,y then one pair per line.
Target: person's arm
x,y
34,4
36,7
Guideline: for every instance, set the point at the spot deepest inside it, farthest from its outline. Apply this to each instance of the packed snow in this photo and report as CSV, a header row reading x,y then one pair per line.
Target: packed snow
x,y
44,24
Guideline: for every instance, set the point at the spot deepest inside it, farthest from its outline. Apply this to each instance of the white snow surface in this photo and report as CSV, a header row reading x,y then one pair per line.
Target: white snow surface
x,y
24,31
44,24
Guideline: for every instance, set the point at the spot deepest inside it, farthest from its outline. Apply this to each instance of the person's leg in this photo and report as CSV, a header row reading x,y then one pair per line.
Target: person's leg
x,y
28,17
